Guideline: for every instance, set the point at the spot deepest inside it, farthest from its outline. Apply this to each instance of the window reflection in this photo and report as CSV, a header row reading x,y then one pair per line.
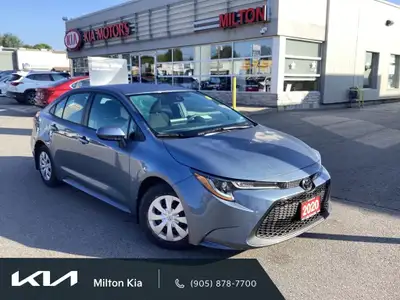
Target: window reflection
x,y
221,51
185,54
164,69
187,82
164,55
218,67
216,83
186,68
252,66
254,48
253,84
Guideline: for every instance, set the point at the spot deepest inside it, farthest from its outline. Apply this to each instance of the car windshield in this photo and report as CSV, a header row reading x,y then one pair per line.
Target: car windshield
x,y
186,114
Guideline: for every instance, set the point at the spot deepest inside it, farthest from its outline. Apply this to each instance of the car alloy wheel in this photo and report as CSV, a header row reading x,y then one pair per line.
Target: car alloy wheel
x,y
45,166
167,218
30,97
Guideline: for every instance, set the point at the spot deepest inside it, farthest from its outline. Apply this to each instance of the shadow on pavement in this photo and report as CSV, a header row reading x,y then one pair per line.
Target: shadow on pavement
x,y
351,238
358,147
15,131
66,220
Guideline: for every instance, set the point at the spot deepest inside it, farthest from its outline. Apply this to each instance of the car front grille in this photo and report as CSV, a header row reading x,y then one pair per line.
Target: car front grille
x,y
283,217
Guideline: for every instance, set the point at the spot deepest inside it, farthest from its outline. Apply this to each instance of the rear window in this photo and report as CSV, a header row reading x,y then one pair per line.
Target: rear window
x,y
59,82
60,76
15,77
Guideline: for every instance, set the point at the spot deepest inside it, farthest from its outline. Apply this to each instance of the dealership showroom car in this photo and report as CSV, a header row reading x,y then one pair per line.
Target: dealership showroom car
x,y
192,170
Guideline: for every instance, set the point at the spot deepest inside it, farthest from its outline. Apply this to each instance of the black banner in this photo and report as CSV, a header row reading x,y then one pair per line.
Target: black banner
x,y
119,279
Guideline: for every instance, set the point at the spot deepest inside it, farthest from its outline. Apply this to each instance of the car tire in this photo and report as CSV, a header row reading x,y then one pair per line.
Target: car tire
x,y
164,225
46,167
29,97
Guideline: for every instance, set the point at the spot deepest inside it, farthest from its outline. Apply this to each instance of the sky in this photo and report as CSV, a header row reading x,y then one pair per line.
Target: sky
x,y
40,21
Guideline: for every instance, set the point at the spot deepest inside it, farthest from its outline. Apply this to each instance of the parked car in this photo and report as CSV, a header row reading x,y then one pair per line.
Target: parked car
x,y
6,73
23,85
4,81
215,177
46,95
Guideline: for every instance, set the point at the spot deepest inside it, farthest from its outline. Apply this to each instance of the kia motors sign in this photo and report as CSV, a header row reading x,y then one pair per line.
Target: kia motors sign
x,y
73,40
243,16
117,30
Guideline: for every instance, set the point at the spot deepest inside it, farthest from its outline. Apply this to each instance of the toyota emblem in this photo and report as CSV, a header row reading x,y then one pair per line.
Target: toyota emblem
x,y
306,184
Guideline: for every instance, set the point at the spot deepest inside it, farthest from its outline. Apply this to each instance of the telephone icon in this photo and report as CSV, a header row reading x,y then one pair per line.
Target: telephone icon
x,y
179,285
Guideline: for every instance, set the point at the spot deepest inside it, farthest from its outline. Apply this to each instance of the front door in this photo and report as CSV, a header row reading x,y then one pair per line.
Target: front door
x,y
106,167
143,67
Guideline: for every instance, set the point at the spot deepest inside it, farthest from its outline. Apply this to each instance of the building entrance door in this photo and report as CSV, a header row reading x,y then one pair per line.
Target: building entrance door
x,y
144,67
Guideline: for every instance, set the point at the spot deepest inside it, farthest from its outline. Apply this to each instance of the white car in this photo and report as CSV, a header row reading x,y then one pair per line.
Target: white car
x,y
22,85
4,82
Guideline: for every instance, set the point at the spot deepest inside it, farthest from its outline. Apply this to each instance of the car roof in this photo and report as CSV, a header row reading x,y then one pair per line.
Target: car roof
x,y
139,88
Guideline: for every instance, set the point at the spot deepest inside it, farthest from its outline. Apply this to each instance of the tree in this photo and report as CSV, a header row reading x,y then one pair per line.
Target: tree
x,y
10,40
42,46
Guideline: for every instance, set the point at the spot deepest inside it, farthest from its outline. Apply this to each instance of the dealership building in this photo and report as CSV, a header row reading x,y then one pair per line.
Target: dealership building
x,y
285,53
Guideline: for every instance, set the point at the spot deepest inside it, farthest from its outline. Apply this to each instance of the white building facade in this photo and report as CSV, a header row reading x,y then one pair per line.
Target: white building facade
x,y
284,53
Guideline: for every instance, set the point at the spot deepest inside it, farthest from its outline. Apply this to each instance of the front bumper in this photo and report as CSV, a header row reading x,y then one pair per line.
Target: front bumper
x,y
256,218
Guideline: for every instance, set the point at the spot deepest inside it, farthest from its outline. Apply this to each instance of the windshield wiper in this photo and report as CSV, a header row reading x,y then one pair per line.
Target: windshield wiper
x,y
222,129
171,135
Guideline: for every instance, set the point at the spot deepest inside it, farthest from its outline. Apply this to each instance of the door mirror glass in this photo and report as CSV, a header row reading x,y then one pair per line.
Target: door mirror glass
x,y
111,133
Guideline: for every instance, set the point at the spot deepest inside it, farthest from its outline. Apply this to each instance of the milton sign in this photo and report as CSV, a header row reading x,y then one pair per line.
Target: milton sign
x,y
74,39
243,16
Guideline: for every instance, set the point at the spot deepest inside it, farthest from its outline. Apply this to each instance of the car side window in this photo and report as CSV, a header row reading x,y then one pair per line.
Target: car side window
x,y
75,107
59,108
81,83
57,77
107,111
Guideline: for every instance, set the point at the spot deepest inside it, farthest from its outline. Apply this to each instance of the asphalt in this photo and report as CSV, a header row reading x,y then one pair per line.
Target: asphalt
x,y
355,254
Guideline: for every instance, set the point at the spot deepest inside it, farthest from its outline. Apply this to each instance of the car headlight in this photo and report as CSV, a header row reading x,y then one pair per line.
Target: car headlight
x,y
224,189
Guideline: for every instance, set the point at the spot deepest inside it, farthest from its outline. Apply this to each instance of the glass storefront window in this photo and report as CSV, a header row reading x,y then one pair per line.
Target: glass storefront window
x,y
252,66
292,84
220,51
185,54
217,67
253,83
187,82
187,68
255,48
165,69
164,55
218,83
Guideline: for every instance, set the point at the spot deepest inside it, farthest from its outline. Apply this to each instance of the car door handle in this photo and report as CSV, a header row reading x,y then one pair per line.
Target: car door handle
x,y
54,127
83,140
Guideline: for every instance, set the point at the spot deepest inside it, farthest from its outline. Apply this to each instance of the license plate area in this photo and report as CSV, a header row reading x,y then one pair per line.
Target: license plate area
x,y
310,207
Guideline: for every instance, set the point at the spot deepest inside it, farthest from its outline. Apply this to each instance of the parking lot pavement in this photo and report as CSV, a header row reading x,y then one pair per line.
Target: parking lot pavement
x,y
355,254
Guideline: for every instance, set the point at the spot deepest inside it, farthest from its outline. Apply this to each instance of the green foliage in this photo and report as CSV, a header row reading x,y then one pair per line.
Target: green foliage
x,y
9,40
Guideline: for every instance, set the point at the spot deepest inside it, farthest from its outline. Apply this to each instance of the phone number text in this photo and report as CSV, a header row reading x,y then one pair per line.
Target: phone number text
x,y
223,283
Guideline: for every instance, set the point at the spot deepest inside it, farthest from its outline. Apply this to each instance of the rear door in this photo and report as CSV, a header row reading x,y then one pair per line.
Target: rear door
x,y
66,129
38,80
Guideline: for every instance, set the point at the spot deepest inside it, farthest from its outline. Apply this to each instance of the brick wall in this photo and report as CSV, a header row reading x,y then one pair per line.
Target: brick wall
x,y
299,100
284,101
245,99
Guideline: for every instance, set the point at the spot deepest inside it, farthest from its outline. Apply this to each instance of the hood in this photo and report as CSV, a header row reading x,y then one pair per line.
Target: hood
x,y
258,153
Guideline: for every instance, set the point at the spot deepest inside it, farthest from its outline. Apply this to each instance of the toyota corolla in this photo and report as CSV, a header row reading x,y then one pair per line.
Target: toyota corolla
x,y
192,170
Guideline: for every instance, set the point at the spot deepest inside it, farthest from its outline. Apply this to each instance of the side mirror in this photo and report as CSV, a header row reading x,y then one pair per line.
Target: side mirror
x,y
111,134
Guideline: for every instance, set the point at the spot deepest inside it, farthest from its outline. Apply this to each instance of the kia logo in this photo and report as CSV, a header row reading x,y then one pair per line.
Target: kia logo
x,y
73,40
72,276
306,184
